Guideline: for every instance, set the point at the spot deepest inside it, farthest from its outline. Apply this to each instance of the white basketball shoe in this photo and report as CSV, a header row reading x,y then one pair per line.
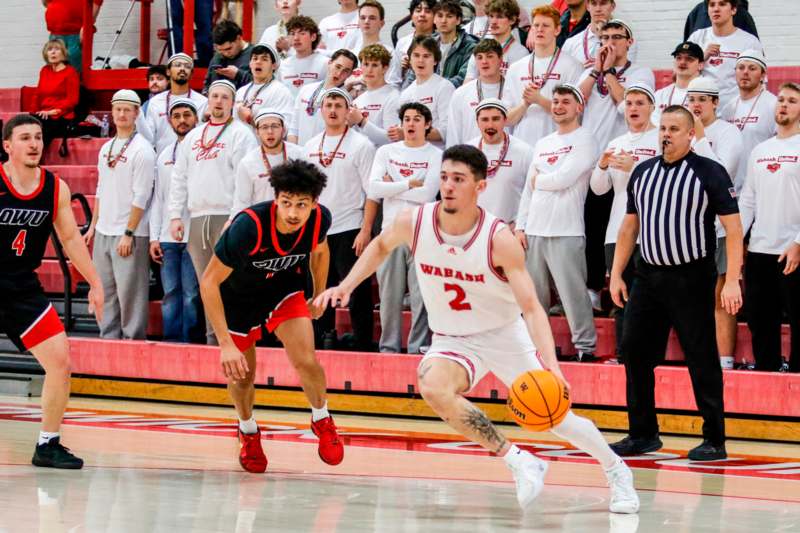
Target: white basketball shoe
x,y
623,495
528,472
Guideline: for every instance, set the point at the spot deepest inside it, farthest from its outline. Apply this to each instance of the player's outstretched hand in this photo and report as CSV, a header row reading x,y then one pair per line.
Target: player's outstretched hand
x,y
335,297
96,299
234,363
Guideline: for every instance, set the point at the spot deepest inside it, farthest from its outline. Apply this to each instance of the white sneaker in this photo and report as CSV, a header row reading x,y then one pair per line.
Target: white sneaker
x,y
529,476
623,496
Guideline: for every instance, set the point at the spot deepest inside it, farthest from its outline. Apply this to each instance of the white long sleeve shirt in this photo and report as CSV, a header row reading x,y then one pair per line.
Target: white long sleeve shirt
x,y
158,121
504,188
273,95
564,164
770,198
435,93
755,118
128,184
348,176
642,146
722,68
252,176
159,216
462,125
305,125
403,163
296,72
203,178
537,121
380,107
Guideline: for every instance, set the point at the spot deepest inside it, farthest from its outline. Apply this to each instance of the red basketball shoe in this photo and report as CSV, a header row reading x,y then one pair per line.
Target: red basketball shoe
x,y
331,449
251,455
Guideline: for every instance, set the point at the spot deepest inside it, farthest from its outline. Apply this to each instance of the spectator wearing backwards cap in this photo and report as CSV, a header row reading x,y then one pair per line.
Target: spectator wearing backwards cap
x,y
179,71
232,60
687,65
264,90
125,166
253,172
180,307
204,175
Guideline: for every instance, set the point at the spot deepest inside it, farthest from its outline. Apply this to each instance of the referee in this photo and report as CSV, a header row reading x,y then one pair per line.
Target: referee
x,y
672,203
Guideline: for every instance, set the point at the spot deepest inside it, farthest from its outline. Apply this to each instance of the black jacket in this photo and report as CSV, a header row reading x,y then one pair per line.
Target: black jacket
x,y
579,27
455,64
242,62
698,19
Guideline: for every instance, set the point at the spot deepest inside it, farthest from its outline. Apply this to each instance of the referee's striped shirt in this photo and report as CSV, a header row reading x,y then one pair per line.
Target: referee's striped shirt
x,y
676,204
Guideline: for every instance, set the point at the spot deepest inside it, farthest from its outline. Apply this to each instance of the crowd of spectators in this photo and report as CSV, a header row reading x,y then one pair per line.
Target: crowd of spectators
x,y
375,117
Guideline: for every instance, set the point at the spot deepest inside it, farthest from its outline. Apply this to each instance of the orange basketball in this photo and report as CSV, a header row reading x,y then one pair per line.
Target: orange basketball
x,y
538,400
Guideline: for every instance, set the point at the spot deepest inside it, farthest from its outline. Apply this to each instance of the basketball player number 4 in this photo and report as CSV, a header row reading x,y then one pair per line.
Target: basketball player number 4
x,y
457,303
19,242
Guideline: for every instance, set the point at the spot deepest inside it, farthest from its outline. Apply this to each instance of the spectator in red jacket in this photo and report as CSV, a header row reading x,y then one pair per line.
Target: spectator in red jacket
x,y
58,90
64,20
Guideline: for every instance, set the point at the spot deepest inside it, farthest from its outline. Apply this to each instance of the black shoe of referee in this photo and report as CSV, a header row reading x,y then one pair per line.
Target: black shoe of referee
x,y
708,452
54,455
631,446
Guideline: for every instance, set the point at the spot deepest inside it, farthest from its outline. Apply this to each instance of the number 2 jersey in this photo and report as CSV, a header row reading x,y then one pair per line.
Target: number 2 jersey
x,y
26,222
463,292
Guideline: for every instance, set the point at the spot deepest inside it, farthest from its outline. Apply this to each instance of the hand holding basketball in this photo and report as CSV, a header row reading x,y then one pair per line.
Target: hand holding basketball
x,y
538,400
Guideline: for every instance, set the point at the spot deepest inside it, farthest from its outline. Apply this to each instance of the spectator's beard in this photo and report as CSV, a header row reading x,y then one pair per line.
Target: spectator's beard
x,y
181,80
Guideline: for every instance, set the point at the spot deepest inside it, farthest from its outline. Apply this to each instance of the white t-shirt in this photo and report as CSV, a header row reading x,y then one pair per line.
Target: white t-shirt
x,y
403,163
128,184
604,118
479,27
159,215
274,95
722,68
203,178
504,186
584,46
348,176
359,46
252,176
564,164
642,146
275,32
512,54
770,198
339,30
665,97
462,124
435,93
296,72
755,118
537,121
158,122
380,107
306,116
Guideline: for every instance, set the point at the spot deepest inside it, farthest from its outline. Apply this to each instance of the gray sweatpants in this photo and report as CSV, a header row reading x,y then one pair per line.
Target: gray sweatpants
x,y
204,232
126,286
395,275
563,260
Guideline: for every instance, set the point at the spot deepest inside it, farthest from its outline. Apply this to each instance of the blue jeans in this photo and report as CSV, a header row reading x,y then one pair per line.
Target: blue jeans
x,y
203,11
180,308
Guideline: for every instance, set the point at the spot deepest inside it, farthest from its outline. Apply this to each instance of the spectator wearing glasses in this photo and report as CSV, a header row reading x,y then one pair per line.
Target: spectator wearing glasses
x,y
584,46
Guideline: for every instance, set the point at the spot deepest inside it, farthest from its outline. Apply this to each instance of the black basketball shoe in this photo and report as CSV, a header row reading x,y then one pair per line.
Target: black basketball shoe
x,y
54,455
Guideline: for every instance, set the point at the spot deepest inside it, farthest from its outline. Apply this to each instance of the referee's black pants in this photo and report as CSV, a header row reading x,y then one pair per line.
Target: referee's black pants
x,y
681,297
766,290
343,257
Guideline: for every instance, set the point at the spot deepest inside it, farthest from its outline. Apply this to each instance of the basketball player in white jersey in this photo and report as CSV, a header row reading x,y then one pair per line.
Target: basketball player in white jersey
x,y
472,276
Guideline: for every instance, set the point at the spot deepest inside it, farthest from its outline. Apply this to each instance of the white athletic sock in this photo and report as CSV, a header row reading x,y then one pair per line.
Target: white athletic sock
x,y
584,435
46,436
513,456
248,427
319,414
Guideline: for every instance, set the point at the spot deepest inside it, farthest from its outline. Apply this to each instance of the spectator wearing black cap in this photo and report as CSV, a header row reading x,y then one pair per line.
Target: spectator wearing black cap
x,y
698,19
232,60
687,65
672,203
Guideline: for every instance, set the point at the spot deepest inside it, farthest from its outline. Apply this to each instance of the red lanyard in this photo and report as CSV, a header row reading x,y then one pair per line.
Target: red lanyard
x,y
492,170
249,103
113,162
326,162
744,123
169,94
601,82
550,67
265,158
203,144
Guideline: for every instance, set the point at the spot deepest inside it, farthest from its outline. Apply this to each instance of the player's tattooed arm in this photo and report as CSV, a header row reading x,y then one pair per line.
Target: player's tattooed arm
x,y
477,421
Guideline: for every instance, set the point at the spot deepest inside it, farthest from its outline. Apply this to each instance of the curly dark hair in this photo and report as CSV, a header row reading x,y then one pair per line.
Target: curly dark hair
x,y
298,177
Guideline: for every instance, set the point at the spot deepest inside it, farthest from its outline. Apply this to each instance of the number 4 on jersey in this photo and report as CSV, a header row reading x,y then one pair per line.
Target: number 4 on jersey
x,y
19,242
457,303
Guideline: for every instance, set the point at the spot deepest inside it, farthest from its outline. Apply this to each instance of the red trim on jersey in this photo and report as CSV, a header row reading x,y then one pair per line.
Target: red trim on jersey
x,y
244,341
497,272
57,186
471,239
435,211
317,227
274,232
477,230
18,194
291,307
46,326
417,227
467,361
253,215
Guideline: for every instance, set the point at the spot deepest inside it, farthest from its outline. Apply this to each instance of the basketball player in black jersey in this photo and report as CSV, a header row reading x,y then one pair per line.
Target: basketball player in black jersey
x,y
34,202
258,275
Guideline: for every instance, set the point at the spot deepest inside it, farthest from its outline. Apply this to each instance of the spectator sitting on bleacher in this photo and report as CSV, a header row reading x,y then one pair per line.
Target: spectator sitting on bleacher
x,y
157,82
698,19
57,92
64,20
277,35
126,165
232,60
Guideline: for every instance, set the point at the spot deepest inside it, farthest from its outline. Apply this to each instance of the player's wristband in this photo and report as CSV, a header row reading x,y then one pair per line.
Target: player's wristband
x,y
595,74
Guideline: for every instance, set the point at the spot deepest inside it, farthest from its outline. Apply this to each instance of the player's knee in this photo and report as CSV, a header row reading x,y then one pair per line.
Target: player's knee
x,y
435,391
58,366
306,365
